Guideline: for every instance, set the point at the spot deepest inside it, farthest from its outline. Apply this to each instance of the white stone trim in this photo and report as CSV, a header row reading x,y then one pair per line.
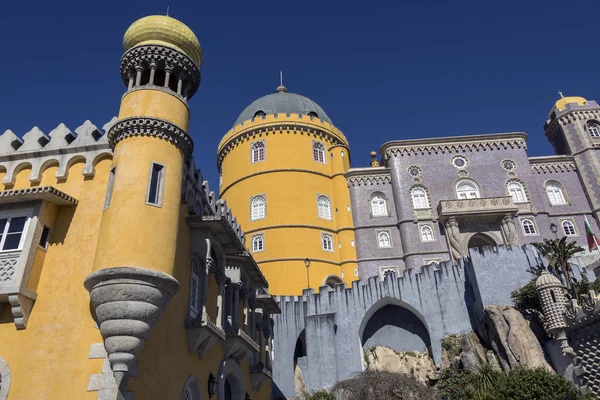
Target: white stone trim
x,y
162,177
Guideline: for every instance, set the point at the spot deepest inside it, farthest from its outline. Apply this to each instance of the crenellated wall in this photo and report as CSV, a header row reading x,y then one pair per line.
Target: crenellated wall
x,y
331,324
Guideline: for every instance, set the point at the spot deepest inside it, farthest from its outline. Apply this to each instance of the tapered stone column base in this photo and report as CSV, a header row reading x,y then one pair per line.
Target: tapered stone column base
x,y
128,302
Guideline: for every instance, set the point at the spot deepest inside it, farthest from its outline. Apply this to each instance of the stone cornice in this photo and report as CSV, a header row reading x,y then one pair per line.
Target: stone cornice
x,y
455,144
154,127
368,176
278,124
164,58
48,193
542,165
321,228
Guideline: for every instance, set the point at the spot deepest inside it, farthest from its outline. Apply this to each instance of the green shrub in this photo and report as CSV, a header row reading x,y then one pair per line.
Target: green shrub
x,y
526,299
320,395
452,346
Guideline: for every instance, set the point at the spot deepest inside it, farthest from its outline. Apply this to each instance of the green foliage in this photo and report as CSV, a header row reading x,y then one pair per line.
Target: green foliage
x,y
526,299
383,385
559,252
517,384
320,395
452,346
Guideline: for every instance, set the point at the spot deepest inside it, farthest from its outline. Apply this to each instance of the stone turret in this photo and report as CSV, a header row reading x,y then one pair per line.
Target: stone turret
x,y
553,300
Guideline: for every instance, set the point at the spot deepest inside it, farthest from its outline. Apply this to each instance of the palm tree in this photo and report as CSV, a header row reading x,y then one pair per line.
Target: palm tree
x,y
559,252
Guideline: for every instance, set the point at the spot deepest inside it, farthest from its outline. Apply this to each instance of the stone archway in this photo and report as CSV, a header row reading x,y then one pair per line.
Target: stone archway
x,y
231,381
479,240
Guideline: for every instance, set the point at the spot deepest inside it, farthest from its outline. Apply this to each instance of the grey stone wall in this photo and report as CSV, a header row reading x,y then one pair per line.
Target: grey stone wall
x,y
335,325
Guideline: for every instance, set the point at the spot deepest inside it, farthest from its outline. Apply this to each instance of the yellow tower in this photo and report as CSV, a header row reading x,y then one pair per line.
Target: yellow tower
x,y
135,258
282,167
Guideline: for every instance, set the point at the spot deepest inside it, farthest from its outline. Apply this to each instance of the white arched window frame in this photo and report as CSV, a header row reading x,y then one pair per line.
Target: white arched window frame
x,y
257,152
528,227
419,197
384,240
556,193
593,129
327,242
258,207
324,207
378,205
333,280
258,242
516,190
427,234
319,152
467,189
569,228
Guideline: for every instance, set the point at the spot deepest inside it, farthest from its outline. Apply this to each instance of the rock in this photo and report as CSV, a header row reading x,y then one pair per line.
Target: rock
x,y
421,366
473,355
299,385
506,331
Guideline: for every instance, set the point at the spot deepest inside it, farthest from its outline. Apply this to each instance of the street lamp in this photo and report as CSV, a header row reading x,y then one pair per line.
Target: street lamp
x,y
212,385
554,229
307,263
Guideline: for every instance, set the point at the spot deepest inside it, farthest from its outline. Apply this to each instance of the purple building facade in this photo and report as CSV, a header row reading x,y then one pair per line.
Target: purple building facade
x,y
433,199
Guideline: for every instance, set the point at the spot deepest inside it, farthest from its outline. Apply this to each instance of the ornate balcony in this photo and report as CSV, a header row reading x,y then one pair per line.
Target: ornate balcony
x,y
486,208
203,334
239,346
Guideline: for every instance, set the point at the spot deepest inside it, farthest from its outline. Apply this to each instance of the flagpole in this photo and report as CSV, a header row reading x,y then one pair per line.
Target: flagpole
x,y
593,235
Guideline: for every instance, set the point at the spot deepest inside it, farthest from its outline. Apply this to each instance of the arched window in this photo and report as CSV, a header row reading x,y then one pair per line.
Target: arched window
x,y
313,114
517,191
427,234
528,227
419,198
384,239
556,193
259,113
258,242
319,152
257,207
327,242
569,228
593,129
324,207
258,151
378,206
195,289
467,190
332,281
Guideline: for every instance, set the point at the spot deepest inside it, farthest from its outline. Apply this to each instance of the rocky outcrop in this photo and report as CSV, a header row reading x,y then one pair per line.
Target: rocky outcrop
x,y
509,335
420,366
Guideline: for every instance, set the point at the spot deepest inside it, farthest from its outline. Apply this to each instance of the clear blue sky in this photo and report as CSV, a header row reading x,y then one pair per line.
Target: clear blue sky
x,y
382,70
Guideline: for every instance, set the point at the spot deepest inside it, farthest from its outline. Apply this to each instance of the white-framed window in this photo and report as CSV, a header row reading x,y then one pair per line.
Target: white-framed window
x,y
435,263
427,234
556,193
327,241
324,207
383,239
528,227
195,289
378,205
385,271
156,184
319,152
569,228
467,189
258,242
109,189
593,129
258,205
419,197
12,232
257,151
516,190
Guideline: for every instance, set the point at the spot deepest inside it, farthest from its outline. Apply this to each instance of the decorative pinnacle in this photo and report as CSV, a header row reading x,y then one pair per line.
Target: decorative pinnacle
x,y
561,94
281,88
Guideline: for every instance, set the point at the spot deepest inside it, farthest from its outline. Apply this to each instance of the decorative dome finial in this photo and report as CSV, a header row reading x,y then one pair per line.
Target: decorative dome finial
x,y
281,88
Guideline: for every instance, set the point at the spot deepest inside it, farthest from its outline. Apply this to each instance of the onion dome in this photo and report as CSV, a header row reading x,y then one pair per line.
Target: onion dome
x,y
163,30
547,280
282,102
563,101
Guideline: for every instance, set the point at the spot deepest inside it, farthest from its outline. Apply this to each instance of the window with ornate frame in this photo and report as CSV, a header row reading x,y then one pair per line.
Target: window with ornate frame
x,y
528,227
419,197
257,151
467,189
516,189
427,234
258,242
569,227
324,207
195,289
383,271
556,193
384,239
258,205
327,242
319,152
378,205
593,129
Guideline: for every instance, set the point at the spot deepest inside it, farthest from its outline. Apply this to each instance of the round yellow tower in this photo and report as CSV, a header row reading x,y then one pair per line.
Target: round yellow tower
x,y
135,257
282,172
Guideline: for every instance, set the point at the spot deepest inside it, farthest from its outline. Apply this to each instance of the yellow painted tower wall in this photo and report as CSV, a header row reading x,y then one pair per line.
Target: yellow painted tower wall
x,y
290,180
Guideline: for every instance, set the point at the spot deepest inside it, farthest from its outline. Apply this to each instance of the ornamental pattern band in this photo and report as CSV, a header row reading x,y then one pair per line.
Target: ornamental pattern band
x,y
163,58
161,129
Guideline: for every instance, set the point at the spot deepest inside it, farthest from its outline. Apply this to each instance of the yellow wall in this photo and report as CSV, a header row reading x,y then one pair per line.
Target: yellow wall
x,y
156,104
291,180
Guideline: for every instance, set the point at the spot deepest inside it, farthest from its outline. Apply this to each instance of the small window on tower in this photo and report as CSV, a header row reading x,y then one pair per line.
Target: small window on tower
x,y
111,184
593,129
44,238
156,185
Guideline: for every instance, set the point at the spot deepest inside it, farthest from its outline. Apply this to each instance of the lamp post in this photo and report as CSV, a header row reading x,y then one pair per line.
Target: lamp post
x,y
212,385
307,263
554,229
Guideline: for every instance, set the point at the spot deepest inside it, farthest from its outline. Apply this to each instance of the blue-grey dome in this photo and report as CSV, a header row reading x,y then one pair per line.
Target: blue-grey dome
x,y
282,102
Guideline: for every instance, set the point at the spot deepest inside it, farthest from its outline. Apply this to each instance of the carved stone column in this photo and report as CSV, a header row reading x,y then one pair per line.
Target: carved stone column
x,y
511,232
168,70
252,304
453,234
220,278
152,72
138,75
245,294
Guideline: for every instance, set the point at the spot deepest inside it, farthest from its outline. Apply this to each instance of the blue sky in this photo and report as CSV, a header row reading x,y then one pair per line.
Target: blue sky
x,y
382,70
